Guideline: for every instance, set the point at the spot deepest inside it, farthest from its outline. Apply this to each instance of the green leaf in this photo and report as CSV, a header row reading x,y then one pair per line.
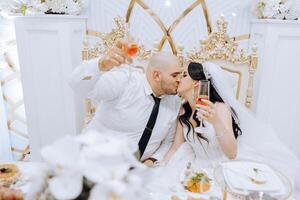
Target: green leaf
x,y
23,9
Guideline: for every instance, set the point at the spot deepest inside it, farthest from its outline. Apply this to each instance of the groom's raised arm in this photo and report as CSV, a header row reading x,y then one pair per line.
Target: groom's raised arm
x,y
101,87
86,75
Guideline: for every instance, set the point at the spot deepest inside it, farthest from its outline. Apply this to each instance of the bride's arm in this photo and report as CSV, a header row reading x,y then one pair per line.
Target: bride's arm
x,y
224,131
179,140
219,116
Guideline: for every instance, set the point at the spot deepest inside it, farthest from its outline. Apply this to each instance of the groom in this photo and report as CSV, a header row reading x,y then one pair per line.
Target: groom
x,y
143,107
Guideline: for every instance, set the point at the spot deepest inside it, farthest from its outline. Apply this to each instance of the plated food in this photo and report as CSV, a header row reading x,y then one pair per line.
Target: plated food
x,y
197,182
9,174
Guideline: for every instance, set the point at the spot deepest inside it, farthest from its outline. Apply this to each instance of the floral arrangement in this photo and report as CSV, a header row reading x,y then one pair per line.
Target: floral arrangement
x,y
71,7
276,9
90,166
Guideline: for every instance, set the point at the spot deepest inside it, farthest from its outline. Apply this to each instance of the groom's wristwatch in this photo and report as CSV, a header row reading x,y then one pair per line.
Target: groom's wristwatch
x,y
152,159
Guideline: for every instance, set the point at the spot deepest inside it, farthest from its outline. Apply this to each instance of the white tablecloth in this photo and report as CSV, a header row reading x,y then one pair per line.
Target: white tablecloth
x,y
30,168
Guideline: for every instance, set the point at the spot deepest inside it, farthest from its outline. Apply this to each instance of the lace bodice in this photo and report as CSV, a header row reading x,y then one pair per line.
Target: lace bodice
x,y
206,153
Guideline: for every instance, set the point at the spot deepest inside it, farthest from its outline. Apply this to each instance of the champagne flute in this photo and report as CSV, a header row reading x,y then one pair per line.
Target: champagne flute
x,y
202,94
132,47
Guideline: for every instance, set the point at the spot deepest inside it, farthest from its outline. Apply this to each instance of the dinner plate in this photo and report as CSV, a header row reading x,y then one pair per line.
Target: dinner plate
x,y
220,179
196,194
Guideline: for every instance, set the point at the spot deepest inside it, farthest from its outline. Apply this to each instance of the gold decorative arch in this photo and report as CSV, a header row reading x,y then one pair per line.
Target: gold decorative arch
x,y
167,31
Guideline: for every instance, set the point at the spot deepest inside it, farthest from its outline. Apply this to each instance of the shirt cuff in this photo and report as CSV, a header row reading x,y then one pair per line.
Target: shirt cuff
x,y
90,69
160,153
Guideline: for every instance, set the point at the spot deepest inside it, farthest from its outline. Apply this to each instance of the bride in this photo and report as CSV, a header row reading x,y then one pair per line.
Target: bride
x,y
231,131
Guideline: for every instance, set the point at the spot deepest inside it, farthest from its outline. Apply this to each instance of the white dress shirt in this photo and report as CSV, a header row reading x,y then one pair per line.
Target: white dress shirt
x,y
125,104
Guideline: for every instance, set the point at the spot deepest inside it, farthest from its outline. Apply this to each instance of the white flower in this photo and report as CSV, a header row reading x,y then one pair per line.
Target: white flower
x,y
65,6
91,138
40,7
269,12
103,160
106,161
99,192
63,156
15,6
99,167
72,7
292,15
116,188
63,153
67,185
275,9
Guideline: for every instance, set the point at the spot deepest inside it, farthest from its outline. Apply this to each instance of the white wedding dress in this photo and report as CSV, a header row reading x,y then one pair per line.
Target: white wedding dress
x,y
257,143
198,152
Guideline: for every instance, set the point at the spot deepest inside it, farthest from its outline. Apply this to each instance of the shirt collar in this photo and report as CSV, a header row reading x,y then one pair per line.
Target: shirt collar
x,y
147,88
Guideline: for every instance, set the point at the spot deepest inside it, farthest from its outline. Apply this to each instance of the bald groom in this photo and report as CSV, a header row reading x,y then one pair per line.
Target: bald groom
x,y
140,106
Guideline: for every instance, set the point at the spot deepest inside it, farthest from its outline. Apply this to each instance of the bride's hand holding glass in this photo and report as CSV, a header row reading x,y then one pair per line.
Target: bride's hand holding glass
x,y
202,94
208,113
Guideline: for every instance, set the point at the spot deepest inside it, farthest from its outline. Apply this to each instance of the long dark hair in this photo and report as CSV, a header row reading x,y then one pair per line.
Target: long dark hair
x,y
196,72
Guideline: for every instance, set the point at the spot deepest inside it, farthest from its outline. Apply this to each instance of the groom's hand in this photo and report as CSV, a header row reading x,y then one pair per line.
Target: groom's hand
x,y
149,162
114,56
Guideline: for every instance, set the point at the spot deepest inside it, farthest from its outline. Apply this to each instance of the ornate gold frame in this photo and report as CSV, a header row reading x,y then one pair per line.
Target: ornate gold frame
x,y
167,31
219,46
109,39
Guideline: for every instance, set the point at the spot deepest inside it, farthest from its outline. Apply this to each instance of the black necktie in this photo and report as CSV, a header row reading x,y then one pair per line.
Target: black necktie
x,y
149,127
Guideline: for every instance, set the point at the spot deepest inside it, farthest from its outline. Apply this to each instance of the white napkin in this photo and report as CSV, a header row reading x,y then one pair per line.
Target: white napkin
x,y
237,176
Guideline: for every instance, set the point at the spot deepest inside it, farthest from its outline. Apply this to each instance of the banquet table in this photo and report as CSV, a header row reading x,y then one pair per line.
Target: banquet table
x,y
218,191
174,192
